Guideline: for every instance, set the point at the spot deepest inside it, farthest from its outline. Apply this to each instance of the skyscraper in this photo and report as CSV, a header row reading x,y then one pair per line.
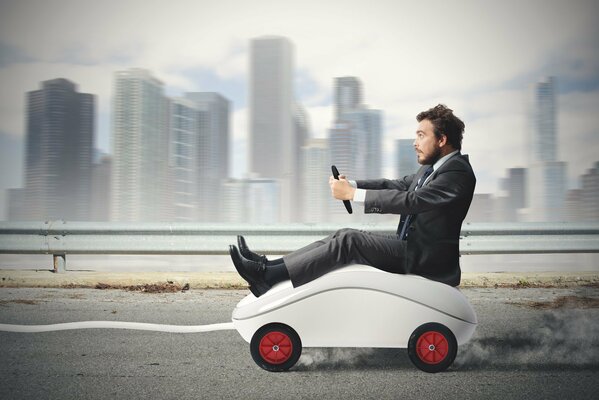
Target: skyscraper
x,y
184,148
590,193
582,204
274,150
58,165
348,95
315,188
544,114
356,135
367,124
547,175
515,188
346,148
212,158
140,176
100,191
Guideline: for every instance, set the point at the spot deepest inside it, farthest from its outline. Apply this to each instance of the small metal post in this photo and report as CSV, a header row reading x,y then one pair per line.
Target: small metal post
x,y
60,263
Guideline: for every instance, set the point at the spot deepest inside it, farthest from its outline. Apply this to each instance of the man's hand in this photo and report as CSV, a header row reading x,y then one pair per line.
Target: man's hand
x,y
341,189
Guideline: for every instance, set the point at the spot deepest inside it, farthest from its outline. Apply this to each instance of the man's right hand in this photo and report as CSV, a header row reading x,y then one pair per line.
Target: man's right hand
x,y
331,178
341,189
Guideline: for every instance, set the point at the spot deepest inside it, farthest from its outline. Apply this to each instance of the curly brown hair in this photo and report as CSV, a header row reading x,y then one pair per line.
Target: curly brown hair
x,y
445,123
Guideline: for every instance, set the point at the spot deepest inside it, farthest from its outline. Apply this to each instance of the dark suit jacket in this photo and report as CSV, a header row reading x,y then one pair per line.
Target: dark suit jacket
x,y
439,208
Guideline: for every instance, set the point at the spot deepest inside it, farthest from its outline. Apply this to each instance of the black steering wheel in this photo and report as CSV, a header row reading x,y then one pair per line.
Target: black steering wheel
x,y
346,203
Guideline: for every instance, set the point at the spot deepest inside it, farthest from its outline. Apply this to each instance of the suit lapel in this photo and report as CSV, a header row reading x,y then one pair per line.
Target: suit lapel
x,y
419,175
434,174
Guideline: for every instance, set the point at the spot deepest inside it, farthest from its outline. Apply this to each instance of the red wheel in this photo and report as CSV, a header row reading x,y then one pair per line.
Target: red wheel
x,y
276,347
432,347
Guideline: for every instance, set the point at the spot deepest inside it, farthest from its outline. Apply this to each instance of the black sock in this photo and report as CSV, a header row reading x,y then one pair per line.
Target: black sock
x,y
276,273
274,262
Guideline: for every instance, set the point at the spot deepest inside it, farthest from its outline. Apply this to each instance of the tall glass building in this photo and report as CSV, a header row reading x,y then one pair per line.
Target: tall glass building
x,y
212,156
315,187
547,177
141,178
184,149
274,150
59,149
348,94
367,124
544,138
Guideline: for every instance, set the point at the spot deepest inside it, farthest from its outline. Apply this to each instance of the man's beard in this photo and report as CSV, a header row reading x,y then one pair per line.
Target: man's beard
x,y
433,158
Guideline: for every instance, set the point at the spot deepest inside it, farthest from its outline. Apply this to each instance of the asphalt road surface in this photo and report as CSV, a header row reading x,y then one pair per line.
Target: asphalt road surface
x,y
530,344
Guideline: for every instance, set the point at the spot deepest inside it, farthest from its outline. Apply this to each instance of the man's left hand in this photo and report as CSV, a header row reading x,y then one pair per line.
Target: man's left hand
x,y
341,189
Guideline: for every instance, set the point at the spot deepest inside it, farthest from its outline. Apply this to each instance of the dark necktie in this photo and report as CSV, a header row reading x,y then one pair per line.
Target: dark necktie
x,y
404,230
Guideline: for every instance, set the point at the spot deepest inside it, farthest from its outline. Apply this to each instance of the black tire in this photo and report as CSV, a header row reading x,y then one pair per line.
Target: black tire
x,y
276,347
432,347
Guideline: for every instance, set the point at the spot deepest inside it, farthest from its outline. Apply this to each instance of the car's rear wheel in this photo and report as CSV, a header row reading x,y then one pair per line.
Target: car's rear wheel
x,y
276,347
432,347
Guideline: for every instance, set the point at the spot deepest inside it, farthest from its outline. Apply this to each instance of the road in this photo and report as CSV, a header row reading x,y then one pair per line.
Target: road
x,y
530,344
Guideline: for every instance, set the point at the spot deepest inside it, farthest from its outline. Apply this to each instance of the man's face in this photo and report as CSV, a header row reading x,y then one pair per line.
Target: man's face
x,y
427,146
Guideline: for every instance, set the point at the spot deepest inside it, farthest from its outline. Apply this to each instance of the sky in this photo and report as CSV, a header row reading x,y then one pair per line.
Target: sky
x,y
481,58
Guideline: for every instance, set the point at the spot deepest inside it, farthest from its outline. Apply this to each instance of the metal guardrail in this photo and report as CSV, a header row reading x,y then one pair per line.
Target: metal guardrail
x,y
60,238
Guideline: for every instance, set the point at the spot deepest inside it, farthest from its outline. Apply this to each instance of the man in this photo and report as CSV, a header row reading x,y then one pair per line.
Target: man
x,y
433,202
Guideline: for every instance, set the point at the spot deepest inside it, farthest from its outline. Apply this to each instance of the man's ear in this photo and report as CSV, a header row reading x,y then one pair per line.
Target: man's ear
x,y
442,140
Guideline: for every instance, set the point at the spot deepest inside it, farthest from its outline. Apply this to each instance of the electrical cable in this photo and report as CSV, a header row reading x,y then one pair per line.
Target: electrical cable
x,y
116,325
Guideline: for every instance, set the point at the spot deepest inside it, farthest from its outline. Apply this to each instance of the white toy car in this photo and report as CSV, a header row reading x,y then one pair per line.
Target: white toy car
x,y
357,306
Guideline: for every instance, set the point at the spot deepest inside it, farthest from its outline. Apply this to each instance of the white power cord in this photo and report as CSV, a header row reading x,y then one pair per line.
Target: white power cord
x,y
116,325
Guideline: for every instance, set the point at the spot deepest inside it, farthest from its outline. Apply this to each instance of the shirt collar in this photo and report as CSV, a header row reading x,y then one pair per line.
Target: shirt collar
x,y
442,160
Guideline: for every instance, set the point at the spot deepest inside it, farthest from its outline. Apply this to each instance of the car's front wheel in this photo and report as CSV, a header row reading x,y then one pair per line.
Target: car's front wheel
x,y
432,347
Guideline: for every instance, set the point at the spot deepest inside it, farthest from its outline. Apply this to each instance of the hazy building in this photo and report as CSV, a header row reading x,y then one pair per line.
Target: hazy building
x,y
346,149
547,191
573,212
590,194
212,159
184,149
251,201
274,150
406,159
544,115
363,125
301,126
100,189
315,176
581,204
547,176
513,196
141,179
367,124
348,95
482,208
58,161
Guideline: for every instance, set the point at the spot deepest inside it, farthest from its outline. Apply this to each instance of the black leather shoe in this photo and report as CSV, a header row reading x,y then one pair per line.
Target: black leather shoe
x,y
251,271
247,253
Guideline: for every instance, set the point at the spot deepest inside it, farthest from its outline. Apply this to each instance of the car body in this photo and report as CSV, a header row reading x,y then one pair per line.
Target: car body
x,y
358,306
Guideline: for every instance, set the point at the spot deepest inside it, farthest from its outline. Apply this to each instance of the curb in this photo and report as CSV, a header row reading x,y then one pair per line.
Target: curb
x,y
231,280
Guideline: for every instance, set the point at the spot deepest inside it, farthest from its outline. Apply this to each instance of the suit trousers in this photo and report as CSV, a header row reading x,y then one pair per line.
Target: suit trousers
x,y
346,246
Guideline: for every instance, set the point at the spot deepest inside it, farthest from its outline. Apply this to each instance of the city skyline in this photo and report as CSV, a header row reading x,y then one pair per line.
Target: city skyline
x,y
485,77
182,141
